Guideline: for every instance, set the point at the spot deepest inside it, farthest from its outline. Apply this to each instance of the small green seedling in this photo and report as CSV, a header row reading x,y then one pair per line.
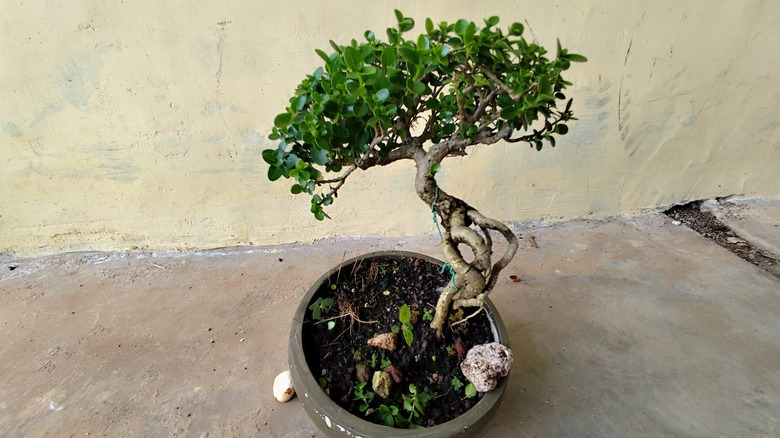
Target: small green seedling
x,y
427,315
404,316
319,306
364,397
386,363
324,385
387,414
471,391
331,325
416,402
457,383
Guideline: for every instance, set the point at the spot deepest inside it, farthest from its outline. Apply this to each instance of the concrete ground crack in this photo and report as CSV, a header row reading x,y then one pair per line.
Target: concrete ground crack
x,y
709,226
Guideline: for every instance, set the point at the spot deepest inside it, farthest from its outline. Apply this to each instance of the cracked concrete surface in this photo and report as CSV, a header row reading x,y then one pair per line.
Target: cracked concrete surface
x,y
755,220
624,327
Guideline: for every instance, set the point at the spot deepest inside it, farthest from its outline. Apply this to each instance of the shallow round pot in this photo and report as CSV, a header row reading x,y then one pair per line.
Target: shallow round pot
x,y
335,421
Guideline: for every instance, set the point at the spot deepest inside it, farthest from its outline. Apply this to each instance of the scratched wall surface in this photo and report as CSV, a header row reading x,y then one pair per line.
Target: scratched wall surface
x,y
140,124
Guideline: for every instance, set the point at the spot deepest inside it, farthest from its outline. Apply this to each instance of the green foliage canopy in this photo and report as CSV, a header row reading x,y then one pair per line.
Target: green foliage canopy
x,y
373,102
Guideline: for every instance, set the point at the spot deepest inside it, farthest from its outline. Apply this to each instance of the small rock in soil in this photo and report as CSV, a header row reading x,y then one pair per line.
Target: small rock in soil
x,y
395,373
382,383
387,341
458,349
363,372
485,363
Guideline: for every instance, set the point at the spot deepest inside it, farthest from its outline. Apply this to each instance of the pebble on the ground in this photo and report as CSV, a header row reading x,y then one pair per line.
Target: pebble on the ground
x,y
283,387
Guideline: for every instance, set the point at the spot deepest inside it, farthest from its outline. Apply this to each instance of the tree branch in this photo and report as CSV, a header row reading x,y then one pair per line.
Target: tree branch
x,y
504,87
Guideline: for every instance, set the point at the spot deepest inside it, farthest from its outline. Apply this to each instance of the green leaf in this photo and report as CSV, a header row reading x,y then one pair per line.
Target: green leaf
x,y
561,129
282,120
408,336
361,109
274,173
319,156
492,21
392,35
423,42
322,55
415,87
544,85
516,29
335,46
573,57
470,390
404,314
331,325
399,15
429,26
468,34
319,215
316,312
352,58
409,54
300,102
295,189
435,167
460,26
389,57
382,95
406,24
271,157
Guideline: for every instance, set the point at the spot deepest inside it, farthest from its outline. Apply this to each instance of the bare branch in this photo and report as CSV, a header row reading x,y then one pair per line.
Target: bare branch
x,y
483,103
504,87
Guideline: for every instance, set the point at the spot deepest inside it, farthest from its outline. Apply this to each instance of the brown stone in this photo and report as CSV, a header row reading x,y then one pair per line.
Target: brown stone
x,y
387,341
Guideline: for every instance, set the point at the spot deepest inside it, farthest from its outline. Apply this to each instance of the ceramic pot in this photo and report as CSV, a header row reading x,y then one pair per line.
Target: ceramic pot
x,y
334,421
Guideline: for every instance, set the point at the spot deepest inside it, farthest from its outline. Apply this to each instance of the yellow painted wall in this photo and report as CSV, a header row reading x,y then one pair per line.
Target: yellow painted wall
x,y
140,123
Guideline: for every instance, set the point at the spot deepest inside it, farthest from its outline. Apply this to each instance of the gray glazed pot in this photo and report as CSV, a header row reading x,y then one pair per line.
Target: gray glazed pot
x,y
335,421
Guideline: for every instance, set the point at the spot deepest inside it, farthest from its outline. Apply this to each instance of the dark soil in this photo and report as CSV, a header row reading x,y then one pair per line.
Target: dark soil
x,y
367,298
706,224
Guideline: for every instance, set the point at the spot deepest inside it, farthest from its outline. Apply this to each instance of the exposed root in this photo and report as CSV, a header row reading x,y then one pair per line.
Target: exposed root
x,y
481,308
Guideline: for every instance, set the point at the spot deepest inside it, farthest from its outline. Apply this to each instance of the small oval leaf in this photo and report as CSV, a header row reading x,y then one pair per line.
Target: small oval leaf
x,y
382,95
282,120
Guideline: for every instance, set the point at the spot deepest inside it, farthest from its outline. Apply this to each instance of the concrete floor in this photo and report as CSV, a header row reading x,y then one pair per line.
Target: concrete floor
x,y
627,327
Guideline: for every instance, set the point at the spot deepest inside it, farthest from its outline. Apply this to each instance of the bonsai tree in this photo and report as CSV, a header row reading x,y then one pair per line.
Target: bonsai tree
x,y
424,99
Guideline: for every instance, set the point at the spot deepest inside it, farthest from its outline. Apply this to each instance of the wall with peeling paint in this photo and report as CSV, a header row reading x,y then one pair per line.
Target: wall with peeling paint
x,y
140,124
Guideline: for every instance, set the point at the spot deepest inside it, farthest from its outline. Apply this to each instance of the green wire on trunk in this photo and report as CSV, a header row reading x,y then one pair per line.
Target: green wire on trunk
x,y
446,265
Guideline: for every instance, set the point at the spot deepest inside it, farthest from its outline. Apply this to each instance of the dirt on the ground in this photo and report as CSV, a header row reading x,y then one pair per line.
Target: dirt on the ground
x,y
706,224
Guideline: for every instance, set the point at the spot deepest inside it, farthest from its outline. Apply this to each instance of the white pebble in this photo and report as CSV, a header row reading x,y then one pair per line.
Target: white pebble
x,y
676,222
283,387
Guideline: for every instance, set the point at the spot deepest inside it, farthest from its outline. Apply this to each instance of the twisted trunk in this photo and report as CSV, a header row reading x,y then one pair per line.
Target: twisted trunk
x,y
473,280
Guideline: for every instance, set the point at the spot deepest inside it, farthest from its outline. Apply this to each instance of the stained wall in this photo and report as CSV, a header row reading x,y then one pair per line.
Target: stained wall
x,y
140,124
